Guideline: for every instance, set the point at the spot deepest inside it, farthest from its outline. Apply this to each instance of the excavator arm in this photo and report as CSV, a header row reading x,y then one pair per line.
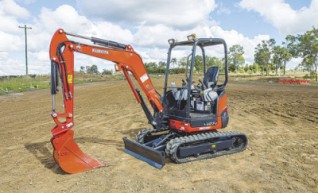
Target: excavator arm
x,y
66,152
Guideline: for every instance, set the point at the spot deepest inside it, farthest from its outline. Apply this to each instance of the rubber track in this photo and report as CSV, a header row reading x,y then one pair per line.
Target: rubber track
x,y
174,144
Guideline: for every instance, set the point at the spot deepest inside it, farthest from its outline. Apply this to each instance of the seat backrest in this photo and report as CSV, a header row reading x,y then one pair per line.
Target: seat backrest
x,y
211,77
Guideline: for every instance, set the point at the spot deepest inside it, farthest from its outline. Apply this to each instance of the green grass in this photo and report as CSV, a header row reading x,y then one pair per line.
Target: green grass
x,y
23,83
313,83
26,83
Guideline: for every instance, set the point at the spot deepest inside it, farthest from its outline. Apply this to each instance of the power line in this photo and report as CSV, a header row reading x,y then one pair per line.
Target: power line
x,y
26,47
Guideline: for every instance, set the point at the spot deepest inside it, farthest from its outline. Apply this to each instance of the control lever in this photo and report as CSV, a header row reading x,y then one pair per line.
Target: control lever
x,y
202,85
184,83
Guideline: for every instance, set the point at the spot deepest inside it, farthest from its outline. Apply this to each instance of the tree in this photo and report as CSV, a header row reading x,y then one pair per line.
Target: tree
x,y
151,67
213,61
286,56
107,72
291,45
280,57
82,70
253,68
182,62
236,57
306,46
198,63
263,53
92,69
163,64
162,67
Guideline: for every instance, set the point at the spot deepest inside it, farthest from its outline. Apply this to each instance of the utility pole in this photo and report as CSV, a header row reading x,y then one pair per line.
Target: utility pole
x,y
26,47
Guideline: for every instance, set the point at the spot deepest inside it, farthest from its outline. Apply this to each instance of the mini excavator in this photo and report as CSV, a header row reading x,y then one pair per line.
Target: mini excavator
x,y
185,118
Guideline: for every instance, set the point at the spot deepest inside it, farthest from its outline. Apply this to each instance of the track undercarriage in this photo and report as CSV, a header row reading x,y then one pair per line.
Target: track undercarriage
x,y
153,146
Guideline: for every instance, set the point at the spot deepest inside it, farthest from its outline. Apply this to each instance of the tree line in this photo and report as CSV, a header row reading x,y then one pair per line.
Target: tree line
x,y
94,70
304,46
268,57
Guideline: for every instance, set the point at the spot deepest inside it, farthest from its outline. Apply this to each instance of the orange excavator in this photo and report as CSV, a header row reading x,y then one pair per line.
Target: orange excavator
x,y
185,118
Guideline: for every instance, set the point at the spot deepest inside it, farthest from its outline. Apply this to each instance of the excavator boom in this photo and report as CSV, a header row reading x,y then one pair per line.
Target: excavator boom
x,y
66,152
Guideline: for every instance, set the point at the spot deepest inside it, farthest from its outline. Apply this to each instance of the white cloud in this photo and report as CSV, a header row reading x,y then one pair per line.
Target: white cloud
x,y
221,9
154,38
176,13
233,37
64,16
148,35
10,12
13,9
51,20
281,15
157,35
9,42
110,31
12,67
12,41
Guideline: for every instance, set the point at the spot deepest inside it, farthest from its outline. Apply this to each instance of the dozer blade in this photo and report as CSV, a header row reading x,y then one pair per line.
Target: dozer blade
x,y
145,153
70,157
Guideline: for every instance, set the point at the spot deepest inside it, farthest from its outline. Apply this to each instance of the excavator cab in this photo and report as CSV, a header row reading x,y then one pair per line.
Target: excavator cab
x,y
196,105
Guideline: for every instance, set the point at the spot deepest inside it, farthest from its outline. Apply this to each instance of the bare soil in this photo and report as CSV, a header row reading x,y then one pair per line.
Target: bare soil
x,y
281,122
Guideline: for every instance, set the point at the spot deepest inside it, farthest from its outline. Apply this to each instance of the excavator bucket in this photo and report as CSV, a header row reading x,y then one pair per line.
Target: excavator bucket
x,y
145,153
70,157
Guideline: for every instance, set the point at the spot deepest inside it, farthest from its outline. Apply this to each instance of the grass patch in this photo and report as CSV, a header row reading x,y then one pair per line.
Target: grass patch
x,y
313,83
26,83
23,83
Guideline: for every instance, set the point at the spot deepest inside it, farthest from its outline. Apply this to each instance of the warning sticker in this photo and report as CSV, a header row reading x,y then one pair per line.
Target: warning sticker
x,y
144,77
70,79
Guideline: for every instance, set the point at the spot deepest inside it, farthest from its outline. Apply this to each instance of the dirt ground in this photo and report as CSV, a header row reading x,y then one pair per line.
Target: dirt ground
x,y
281,122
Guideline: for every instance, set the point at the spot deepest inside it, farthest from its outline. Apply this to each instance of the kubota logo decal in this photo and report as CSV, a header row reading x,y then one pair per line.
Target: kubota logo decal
x,y
99,51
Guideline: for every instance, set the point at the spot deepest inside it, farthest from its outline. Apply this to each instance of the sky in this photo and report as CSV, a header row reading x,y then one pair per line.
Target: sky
x,y
146,25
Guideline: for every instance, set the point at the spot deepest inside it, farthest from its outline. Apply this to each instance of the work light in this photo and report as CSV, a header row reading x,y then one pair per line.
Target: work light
x,y
171,41
192,37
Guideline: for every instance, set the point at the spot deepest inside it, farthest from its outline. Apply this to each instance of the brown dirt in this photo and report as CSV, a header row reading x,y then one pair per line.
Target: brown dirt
x,y
280,121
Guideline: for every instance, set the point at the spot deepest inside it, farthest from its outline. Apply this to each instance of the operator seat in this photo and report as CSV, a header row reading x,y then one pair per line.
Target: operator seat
x,y
211,77
210,80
